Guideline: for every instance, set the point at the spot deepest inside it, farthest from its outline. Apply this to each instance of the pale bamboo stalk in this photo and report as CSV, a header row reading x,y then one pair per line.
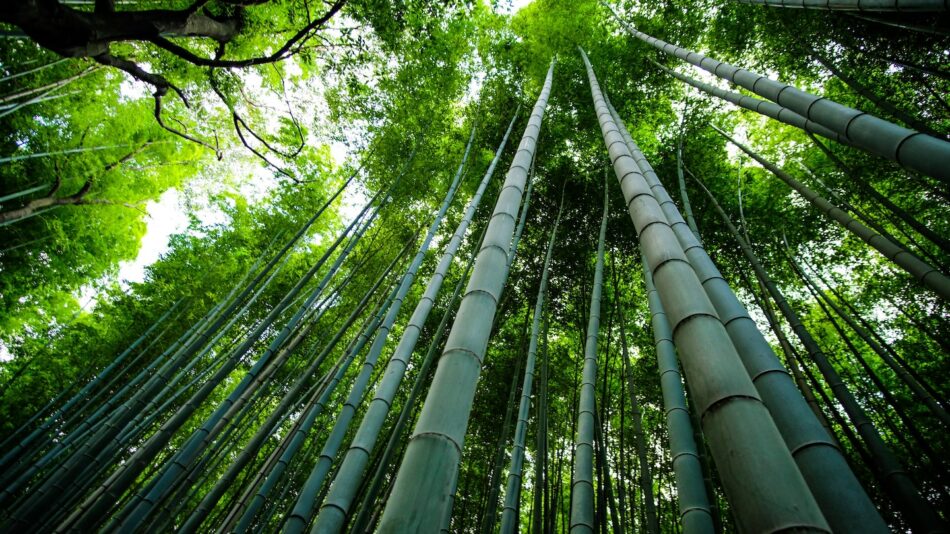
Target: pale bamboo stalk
x,y
422,493
912,149
509,514
766,494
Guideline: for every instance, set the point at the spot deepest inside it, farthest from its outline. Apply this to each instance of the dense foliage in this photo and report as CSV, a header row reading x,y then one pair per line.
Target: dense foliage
x,y
378,100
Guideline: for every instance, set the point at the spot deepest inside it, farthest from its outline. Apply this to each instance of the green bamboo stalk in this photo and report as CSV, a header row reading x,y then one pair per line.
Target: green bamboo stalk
x,y
250,450
912,149
894,478
918,390
695,510
921,271
509,517
766,494
582,480
352,467
425,482
883,200
763,107
361,522
295,439
301,514
902,6
681,180
94,507
490,510
838,492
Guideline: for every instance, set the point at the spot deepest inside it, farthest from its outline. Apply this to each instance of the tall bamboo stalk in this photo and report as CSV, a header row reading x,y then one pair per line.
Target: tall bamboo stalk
x,y
300,516
509,517
695,511
894,478
915,6
422,493
914,150
582,479
927,275
837,491
768,493
350,472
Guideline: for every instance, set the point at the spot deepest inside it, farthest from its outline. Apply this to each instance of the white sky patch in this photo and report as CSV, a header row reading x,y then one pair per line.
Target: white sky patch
x,y
165,217
510,7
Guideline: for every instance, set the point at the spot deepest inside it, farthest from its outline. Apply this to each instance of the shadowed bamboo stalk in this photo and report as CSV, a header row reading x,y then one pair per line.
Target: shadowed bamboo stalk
x,y
767,493
918,512
912,149
582,479
95,506
347,480
695,512
922,394
920,270
422,493
509,515
289,400
838,492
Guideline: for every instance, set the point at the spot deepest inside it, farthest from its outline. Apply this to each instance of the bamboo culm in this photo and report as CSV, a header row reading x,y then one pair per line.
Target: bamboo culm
x,y
422,493
894,478
96,505
838,492
509,517
582,479
350,472
289,400
300,516
361,522
912,149
927,275
695,511
735,420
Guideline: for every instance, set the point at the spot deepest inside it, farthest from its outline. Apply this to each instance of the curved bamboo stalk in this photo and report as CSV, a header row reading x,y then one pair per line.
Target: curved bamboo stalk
x,y
894,478
582,479
766,494
509,515
912,149
347,480
920,270
422,492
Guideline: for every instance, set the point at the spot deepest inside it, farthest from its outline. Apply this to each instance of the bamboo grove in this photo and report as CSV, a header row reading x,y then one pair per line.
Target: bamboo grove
x,y
580,267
